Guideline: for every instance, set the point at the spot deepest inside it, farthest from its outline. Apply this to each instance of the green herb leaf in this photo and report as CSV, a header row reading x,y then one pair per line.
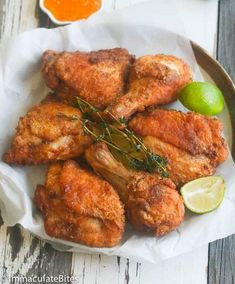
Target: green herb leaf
x,y
124,145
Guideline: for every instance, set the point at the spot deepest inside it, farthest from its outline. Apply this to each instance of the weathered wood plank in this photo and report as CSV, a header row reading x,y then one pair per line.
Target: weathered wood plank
x,y
101,269
25,255
226,36
3,236
16,16
184,269
188,268
221,266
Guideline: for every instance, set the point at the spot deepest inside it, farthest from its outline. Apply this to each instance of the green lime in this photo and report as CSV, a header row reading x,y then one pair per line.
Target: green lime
x,y
204,194
202,97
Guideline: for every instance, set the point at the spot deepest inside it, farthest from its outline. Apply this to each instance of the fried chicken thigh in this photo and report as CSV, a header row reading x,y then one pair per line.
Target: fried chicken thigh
x,y
50,131
78,206
191,142
154,80
99,77
151,202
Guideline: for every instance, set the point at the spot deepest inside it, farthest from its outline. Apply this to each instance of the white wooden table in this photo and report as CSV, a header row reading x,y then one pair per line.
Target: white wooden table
x,y
22,254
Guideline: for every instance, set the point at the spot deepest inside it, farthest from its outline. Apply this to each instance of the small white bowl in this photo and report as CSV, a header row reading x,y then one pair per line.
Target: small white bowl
x,y
53,19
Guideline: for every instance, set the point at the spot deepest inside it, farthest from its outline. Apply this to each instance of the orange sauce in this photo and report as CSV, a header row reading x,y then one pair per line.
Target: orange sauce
x,y
72,10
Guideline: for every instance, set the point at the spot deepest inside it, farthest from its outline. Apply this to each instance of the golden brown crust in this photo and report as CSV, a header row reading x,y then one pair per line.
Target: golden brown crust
x,y
151,202
154,204
192,132
80,207
99,77
154,80
45,134
182,166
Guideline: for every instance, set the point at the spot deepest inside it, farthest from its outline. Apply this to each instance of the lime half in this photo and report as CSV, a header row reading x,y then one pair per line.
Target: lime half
x,y
204,194
202,97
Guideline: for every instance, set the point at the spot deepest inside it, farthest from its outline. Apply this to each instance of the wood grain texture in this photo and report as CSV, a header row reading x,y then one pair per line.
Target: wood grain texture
x,y
221,268
102,269
25,255
16,16
226,36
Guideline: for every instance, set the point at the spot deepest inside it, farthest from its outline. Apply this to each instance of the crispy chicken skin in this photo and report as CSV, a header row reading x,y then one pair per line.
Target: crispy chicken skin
x,y
48,132
99,77
182,166
192,142
151,202
78,206
154,80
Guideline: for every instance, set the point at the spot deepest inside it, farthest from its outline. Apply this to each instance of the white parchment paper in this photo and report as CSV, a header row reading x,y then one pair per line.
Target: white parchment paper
x,y
21,86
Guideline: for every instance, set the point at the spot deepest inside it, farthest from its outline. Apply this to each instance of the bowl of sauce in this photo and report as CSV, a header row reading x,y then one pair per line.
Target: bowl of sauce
x,y
63,12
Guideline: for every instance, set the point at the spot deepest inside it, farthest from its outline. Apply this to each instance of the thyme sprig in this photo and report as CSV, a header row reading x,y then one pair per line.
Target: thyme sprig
x,y
124,144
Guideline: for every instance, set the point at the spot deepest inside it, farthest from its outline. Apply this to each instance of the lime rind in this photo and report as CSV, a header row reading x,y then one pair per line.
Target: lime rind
x,y
202,97
203,195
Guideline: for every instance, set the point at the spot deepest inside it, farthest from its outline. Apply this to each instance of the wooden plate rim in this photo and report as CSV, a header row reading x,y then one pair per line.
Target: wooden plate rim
x,y
215,70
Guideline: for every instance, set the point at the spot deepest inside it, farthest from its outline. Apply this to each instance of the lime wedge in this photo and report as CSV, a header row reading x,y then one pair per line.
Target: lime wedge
x,y
202,97
204,194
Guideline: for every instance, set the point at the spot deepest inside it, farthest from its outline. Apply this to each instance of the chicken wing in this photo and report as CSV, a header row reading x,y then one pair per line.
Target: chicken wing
x,y
154,80
151,202
80,207
99,77
48,132
191,142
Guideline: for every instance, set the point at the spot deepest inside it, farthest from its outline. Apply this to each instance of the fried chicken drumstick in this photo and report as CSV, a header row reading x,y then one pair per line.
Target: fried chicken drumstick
x,y
151,202
191,142
48,133
153,80
99,77
79,206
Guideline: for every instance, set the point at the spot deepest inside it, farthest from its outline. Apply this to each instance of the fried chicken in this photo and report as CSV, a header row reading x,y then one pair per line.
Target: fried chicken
x,y
154,80
191,142
50,131
99,77
151,202
182,166
78,206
